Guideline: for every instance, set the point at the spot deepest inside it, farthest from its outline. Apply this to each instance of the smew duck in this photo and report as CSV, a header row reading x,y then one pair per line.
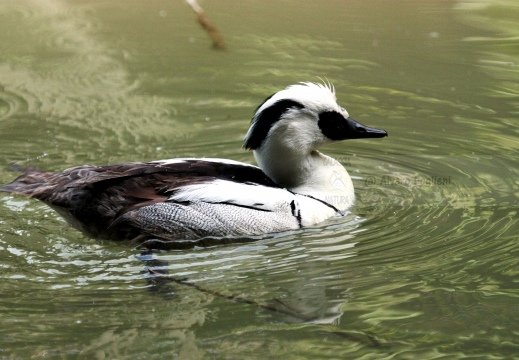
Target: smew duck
x,y
294,186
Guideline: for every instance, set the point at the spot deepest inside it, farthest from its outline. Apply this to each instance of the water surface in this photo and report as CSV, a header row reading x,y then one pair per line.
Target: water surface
x,y
425,266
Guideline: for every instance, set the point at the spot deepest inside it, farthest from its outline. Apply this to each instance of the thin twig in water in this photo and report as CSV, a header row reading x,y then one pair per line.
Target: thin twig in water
x,y
207,25
228,297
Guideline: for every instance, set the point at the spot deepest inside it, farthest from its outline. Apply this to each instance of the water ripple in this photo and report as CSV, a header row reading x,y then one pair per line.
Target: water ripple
x,y
11,103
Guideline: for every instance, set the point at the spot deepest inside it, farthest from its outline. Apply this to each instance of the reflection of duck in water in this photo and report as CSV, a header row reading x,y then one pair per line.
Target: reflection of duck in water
x,y
192,198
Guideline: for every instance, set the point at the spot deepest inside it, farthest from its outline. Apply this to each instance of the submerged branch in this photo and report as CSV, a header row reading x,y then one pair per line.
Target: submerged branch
x,y
237,299
360,337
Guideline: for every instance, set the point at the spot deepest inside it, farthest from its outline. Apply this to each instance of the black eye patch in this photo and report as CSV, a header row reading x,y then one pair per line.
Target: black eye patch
x,y
333,125
263,121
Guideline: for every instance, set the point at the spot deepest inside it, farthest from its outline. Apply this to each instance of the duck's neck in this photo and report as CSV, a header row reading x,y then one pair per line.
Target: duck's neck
x,y
311,173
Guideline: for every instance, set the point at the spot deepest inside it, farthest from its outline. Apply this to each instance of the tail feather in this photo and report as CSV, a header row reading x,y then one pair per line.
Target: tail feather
x,y
29,183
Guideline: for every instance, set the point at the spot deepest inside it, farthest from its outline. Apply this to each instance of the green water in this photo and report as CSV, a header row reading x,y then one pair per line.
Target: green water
x,y
425,266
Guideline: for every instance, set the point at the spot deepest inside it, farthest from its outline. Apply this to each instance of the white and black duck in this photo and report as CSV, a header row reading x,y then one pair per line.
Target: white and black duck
x,y
294,186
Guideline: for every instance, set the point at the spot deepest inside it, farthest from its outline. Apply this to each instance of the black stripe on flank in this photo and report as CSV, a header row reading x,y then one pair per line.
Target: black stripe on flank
x,y
339,212
296,213
263,121
242,206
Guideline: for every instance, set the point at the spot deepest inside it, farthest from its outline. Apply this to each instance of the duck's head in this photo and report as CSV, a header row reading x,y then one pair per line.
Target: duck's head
x,y
302,118
289,127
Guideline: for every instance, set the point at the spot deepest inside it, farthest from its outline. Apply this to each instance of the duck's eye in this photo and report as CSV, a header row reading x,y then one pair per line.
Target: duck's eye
x,y
332,125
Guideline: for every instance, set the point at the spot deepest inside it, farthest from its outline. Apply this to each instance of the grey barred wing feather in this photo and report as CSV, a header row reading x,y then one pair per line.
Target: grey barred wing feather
x,y
216,208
